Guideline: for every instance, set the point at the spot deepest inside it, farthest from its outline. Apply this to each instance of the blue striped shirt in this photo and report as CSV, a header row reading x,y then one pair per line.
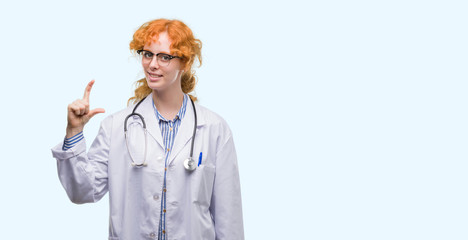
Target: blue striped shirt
x,y
169,131
70,142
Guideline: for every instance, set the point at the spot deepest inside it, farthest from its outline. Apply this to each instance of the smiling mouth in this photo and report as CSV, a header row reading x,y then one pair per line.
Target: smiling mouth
x,y
154,75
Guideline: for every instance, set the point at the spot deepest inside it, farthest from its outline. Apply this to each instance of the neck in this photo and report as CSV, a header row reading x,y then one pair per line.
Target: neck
x,y
168,103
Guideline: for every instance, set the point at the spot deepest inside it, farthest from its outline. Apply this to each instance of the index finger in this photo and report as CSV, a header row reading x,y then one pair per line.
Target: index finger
x,y
88,90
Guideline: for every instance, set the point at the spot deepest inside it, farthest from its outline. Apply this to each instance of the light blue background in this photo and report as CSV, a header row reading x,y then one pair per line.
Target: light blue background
x,y
349,117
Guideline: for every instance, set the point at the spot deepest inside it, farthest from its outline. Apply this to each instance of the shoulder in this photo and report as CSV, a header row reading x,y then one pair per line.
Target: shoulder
x,y
123,113
213,120
209,116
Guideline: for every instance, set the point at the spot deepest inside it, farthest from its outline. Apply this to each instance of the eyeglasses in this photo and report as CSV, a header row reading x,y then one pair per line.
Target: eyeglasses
x,y
162,58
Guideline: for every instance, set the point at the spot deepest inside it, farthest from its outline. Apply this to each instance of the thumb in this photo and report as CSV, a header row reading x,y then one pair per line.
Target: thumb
x,y
95,111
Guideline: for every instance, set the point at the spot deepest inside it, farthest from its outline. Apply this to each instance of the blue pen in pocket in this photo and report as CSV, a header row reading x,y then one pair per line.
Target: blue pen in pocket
x,y
199,159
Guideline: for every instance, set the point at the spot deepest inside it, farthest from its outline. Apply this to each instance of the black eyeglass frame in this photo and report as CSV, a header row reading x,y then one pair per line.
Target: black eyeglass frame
x,y
158,54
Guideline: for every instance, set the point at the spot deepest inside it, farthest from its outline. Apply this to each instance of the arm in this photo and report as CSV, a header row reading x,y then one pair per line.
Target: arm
x,y
84,178
226,202
84,175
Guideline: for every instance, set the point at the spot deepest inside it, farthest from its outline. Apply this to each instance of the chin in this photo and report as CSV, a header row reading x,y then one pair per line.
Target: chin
x,y
154,86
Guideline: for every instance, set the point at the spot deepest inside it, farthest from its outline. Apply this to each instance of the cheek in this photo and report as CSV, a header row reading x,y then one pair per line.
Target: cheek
x,y
173,75
145,66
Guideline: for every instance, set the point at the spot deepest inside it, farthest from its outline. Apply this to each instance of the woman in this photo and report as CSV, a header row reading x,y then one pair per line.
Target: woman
x,y
154,191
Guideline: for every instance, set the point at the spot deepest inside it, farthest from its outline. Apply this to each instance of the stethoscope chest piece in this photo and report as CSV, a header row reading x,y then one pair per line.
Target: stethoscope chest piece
x,y
190,164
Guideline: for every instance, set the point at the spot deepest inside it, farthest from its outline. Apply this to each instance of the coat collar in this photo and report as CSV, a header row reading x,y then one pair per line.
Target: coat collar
x,y
184,134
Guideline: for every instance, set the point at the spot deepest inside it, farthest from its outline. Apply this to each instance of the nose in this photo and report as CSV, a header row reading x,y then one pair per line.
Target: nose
x,y
154,63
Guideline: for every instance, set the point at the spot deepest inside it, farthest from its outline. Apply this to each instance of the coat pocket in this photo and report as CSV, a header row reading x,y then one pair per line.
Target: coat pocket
x,y
202,184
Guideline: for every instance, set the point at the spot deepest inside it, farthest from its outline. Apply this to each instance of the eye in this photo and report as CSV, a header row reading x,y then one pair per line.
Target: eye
x,y
165,57
147,54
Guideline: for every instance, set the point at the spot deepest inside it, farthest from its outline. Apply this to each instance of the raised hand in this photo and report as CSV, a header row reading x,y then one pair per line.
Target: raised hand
x,y
79,113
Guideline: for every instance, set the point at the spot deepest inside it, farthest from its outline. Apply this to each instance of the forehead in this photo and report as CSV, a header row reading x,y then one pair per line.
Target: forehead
x,y
159,43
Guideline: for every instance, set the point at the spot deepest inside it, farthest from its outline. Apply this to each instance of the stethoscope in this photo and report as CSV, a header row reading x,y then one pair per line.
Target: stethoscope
x,y
189,163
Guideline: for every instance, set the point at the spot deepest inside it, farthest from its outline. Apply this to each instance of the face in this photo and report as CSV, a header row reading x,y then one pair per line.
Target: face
x,y
161,77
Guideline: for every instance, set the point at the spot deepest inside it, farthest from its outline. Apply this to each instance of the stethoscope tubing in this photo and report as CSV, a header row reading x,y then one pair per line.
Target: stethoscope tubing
x,y
191,165
194,128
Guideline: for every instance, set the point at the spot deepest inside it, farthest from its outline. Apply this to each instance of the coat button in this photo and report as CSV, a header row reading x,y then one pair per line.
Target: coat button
x,y
156,197
152,235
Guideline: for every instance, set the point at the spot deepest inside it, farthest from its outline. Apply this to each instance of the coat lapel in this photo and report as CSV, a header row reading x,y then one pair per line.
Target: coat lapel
x,y
152,125
185,132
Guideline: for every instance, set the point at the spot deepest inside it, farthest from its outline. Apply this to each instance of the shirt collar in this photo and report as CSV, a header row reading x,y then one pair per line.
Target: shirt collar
x,y
179,115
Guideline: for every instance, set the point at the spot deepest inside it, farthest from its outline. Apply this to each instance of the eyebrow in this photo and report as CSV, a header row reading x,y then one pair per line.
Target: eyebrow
x,y
156,53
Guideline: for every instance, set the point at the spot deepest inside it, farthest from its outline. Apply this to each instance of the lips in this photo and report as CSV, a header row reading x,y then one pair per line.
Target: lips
x,y
155,75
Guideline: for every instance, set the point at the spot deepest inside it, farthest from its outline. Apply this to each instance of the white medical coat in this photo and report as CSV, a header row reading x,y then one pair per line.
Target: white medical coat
x,y
203,204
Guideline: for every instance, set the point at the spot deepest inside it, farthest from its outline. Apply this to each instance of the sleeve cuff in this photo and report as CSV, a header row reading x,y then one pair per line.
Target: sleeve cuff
x,y
77,149
70,142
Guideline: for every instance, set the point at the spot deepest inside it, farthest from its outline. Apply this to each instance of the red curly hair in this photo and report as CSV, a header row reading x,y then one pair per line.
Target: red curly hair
x,y
184,44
